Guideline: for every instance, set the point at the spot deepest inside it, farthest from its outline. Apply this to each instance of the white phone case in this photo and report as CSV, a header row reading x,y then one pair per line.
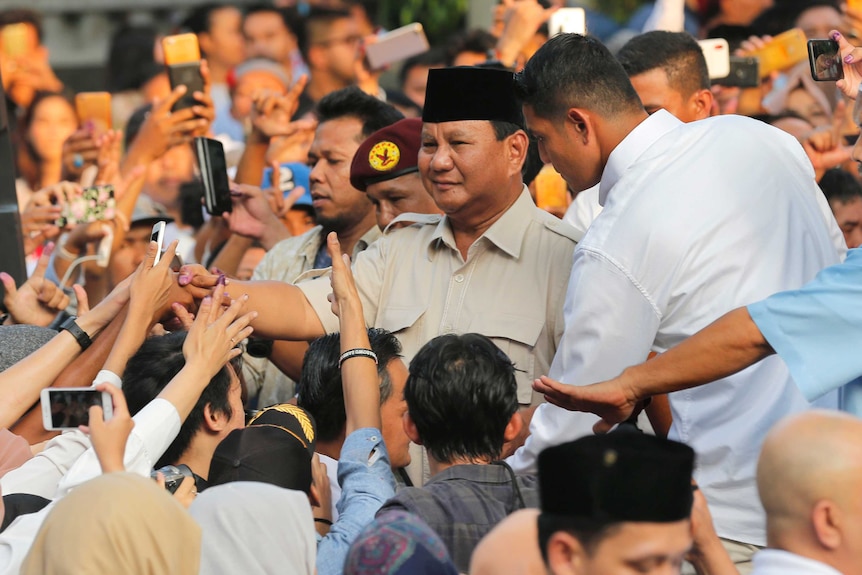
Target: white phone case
x,y
568,21
397,45
158,236
46,399
716,51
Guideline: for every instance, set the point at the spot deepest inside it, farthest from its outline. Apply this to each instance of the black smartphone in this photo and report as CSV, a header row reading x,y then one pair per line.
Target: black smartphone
x,y
213,168
183,60
744,73
825,60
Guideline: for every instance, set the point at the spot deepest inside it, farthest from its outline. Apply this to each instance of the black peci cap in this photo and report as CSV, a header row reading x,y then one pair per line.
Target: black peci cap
x,y
470,93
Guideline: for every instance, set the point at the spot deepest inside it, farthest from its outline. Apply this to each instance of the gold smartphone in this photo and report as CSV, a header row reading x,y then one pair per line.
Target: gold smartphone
x,y
94,107
782,52
181,49
15,40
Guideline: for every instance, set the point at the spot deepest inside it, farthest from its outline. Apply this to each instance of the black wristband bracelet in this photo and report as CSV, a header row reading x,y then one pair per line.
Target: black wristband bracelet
x,y
79,334
323,520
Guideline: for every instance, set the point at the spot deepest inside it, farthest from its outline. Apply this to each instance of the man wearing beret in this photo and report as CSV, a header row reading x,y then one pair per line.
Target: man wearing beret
x,y
622,503
494,263
386,167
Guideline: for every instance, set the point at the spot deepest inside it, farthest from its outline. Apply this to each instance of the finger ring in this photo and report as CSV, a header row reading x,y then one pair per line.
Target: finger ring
x,y
233,341
78,161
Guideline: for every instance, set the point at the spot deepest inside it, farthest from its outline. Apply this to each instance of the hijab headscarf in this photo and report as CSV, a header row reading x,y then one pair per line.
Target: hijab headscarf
x,y
398,543
116,523
253,527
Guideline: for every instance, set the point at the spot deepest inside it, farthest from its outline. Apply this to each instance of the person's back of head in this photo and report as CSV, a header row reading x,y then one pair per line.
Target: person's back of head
x,y
573,71
462,399
470,47
352,102
511,547
320,391
131,63
809,477
154,365
660,62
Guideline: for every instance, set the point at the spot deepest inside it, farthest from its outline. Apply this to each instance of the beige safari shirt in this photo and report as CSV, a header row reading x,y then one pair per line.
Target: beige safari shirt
x,y
414,282
286,261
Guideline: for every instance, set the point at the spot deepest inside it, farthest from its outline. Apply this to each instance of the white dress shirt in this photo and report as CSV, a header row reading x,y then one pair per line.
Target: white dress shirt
x,y
776,562
698,219
583,210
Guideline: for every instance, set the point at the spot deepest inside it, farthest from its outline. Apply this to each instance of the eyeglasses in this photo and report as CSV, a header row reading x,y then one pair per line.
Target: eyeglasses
x,y
351,40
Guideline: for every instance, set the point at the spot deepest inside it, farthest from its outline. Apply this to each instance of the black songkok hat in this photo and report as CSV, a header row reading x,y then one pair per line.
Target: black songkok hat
x,y
616,478
469,93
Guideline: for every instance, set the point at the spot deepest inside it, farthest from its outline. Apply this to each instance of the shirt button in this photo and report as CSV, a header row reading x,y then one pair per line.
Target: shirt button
x,y
373,438
459,278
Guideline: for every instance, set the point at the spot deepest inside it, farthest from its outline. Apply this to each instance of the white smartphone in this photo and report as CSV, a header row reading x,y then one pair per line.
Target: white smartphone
x,y
716,51
158,236
397,45
568,21
69,407
103,253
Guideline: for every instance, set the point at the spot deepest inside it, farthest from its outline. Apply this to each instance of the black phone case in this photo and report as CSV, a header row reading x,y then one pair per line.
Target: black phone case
x,y
188,75
216,198
814,53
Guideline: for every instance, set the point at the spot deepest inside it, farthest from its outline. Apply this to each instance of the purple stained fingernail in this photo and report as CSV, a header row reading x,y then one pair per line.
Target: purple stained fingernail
x,y
836,35
184,280
848,58
222,280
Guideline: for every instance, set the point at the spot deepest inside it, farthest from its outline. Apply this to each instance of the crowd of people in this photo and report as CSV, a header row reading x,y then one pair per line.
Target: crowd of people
x,y
401,351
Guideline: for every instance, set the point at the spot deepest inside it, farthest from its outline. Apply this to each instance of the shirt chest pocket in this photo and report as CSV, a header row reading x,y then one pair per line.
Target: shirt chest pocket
x,y
406,323
517,336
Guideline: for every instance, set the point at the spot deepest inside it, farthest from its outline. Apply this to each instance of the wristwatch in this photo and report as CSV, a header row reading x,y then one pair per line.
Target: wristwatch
x,y
79,334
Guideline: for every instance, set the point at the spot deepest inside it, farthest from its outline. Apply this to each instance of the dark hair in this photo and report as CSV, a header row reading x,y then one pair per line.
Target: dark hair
x,y
436,56
133,126
840,186
461,394
147,373
130,58
319,389
27,161
314,25
573,71
677,53
352,102
477,40
588,532
22,16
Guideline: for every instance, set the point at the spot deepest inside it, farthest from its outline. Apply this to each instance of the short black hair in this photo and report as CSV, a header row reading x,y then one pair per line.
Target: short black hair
x,y
461,394
199,19
574,71
22,16
154,365
314,23
588,532
436,56
477,40
677,53
840,186
130,58
319,390
352,102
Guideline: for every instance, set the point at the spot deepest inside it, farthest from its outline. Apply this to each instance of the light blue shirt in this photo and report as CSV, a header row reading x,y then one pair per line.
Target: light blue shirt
x,y
816,331
366,480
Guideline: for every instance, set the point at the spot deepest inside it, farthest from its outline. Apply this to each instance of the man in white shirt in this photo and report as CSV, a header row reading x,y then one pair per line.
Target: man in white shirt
x,y
810,478
699,218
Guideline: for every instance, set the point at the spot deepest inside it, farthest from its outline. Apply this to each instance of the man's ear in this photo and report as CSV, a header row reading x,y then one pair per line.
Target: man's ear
x,y
581,122
517,146
314,495
566,555
827,523
315,56
410,428
215,421
514,427
205,42
701,102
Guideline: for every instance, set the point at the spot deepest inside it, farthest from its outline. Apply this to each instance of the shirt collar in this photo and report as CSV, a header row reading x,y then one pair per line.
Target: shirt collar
x,y
507,233
484,473
367,239
630,149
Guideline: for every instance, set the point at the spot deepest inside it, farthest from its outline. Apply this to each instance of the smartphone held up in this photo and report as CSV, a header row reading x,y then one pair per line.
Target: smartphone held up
x,y
824,59
213,171
183,61
69,407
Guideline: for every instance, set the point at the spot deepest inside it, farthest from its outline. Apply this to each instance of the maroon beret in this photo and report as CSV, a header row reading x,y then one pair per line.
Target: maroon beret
x,y
387,154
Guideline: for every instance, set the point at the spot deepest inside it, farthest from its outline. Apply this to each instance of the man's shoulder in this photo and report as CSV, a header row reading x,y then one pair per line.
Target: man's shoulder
x,y
283,255
555,225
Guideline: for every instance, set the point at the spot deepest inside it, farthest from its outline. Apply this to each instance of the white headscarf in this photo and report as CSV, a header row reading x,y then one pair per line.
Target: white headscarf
x,y
252,527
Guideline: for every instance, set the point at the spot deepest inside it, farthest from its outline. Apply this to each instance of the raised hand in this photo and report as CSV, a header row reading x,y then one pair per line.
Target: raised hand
x,y
215,331
80,150
38,300
152,284
272,113
610,400
109,437
344,296
852,58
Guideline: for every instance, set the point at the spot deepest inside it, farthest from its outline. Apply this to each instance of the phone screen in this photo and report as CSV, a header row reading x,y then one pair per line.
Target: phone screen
x,y
213,167
70,408
825,61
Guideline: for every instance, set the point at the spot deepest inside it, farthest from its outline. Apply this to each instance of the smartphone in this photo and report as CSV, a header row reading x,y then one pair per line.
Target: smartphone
x,y
94,107
15,40
744,73
716,52
567,21
825,60
183,60
103,252
784,51
158,236
96,203
213,168
69,407
397,45
854,4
